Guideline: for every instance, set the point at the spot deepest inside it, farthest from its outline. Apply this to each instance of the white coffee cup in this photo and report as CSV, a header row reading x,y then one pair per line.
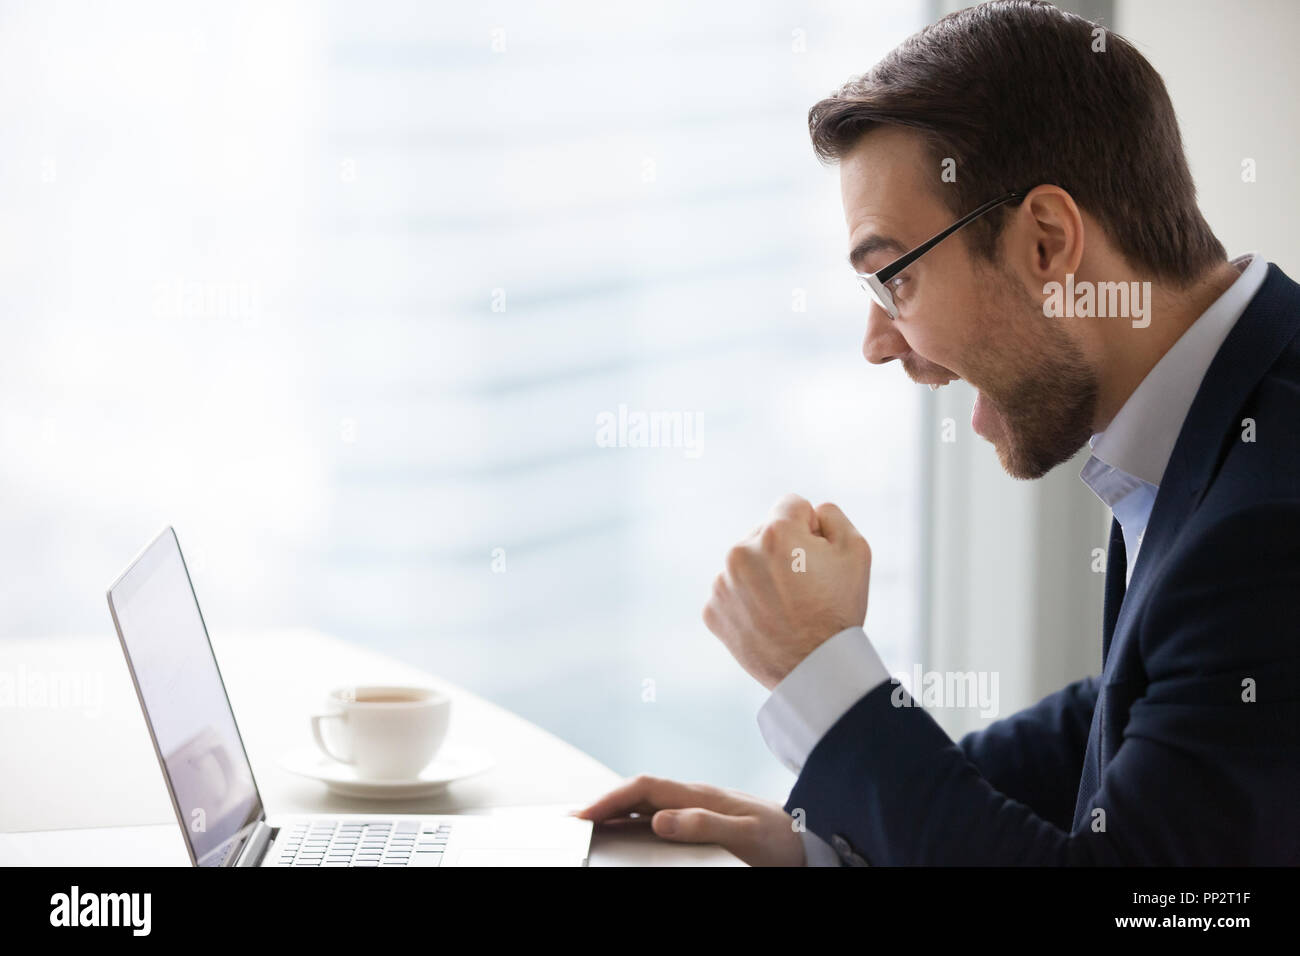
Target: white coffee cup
x,y
386,732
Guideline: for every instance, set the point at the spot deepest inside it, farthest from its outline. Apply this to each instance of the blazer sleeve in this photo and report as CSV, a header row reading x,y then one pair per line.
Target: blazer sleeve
x,y
1035,756
1207,769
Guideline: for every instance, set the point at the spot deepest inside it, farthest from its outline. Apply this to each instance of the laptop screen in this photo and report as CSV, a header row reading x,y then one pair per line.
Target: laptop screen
x,y
184,701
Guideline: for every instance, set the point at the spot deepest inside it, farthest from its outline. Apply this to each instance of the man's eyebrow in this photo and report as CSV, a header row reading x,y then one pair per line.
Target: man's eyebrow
x,y
873,243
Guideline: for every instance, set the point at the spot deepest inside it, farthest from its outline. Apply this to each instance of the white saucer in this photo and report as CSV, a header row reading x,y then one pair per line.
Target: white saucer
x,y
450,764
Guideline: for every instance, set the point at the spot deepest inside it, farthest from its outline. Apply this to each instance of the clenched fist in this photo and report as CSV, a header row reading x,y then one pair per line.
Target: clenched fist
x,y
792,584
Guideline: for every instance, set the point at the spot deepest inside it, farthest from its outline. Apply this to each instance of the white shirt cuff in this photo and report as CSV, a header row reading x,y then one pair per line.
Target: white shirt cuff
x,y
817,693
817,852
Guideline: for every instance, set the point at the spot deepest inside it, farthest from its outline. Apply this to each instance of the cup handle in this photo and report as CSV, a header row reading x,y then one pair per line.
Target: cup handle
x,y
320,741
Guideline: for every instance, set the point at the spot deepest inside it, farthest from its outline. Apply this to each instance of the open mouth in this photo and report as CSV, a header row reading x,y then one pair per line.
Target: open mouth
x,y
935,386
983,418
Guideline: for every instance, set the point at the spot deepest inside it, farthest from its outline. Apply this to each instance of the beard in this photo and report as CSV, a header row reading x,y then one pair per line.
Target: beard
x,y
1038,382
1047,415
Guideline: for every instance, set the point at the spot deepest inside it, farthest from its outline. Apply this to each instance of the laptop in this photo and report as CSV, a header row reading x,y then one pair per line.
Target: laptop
x,y
217,803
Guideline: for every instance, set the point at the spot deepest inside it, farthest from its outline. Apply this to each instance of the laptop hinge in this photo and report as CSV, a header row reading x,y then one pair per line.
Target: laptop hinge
x,y
255,846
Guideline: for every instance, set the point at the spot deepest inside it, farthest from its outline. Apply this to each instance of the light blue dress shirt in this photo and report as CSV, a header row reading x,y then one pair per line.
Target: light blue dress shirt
x,y
1127,463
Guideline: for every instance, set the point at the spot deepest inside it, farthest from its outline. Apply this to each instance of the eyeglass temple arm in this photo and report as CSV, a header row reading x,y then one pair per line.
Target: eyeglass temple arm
x,y
897,266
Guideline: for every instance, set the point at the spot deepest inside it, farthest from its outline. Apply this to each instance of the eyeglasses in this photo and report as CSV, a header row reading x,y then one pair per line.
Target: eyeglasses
x,y
877,283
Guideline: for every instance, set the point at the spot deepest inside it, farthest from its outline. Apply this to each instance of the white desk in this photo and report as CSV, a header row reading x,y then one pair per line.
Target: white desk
x,y
88,761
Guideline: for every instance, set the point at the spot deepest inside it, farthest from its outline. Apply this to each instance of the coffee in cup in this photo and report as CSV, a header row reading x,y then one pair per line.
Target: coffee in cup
x,y
386,732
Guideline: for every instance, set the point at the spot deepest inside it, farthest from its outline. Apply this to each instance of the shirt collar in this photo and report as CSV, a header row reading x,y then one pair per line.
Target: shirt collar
x,y
1141,437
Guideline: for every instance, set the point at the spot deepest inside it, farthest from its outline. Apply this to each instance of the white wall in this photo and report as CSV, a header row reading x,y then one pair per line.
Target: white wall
x,y
1232,73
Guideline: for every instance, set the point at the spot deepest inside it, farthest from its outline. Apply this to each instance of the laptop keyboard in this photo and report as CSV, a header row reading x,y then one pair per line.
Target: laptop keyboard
x,y
353,843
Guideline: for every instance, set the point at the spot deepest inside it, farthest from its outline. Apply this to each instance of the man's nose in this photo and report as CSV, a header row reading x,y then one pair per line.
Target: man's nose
x,y
882,343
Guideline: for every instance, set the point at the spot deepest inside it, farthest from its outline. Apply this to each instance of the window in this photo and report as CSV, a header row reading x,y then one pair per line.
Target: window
x,y
343,293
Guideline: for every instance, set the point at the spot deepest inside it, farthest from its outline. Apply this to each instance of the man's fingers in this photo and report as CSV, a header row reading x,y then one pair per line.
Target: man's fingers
x,y
698,825
627,823
644,794
835,526
797,509
789,508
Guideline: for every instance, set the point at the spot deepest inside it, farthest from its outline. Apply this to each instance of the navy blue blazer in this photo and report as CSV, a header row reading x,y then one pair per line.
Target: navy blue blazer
x,y
1185,750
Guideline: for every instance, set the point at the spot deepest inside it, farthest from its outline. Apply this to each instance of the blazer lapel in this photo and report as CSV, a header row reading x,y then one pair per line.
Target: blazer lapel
x,y
1269,322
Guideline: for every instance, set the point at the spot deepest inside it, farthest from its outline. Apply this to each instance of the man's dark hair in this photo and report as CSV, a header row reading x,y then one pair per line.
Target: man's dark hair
x,y
1014,92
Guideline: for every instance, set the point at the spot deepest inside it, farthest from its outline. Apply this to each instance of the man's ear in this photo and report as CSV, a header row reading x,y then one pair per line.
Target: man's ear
x,y
1048,233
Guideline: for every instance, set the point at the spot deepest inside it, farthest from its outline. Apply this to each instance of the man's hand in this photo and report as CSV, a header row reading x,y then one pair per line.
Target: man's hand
x,y
792,584
757,831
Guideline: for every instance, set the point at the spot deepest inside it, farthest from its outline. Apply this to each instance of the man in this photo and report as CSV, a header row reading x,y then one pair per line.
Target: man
x,y
1051,151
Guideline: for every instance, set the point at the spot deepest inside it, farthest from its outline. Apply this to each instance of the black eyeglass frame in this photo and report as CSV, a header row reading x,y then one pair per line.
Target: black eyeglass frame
x,y
875,282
